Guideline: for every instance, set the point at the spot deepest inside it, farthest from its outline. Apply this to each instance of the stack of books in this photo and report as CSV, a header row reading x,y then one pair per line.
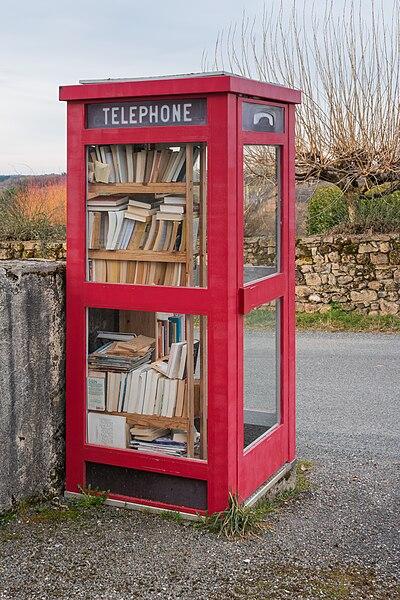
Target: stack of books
x,y
153,439
120,383
125,163
139,222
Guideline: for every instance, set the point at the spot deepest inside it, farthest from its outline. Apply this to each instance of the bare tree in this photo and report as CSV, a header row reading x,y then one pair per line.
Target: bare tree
x,y
348,66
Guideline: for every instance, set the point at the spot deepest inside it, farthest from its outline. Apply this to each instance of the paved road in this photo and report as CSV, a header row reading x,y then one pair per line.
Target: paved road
x,y
341,540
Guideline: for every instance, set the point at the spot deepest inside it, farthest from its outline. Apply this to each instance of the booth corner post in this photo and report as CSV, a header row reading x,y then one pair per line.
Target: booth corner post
x,y
180,340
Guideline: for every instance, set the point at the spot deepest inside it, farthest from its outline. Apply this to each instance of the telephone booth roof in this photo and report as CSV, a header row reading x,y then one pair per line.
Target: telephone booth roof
x,y
169,85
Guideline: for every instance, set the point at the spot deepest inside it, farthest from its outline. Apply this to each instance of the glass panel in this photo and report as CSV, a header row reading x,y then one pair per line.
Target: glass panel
x,y
146,214
147,382
261,371
261,211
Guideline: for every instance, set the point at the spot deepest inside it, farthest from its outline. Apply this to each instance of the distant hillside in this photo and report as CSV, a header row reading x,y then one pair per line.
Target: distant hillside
x,y
7,181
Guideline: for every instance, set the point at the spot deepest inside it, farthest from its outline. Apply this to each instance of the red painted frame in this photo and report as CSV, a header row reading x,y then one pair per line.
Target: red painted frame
x,y
223,301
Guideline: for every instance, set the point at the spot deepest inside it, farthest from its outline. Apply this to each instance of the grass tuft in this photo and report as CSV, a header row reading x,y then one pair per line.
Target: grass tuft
x,y
39,510
171,515
239,521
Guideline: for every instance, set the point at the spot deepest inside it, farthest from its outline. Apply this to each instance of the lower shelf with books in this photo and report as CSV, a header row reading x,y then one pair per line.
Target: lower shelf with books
x,y
146,382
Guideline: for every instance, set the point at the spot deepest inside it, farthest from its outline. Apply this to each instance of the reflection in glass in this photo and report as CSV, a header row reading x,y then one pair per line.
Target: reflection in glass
x,y
261,211
146,382
261,371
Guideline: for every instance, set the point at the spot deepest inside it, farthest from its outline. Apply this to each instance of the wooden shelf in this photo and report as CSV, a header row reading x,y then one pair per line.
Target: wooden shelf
x,y
139,255
152,420
106,189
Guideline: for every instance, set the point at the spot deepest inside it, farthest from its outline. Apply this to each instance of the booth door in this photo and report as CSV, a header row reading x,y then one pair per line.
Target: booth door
x,y
266,306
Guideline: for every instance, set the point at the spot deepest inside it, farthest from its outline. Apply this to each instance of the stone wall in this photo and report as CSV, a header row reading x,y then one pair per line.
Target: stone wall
x,y
32,380
359,272
10,250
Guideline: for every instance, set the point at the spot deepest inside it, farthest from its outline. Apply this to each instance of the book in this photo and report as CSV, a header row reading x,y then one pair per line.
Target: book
x,y
101,172
174,365
114,156
169,216
175,200
107,202
180,398
122,163
96,390
172,208
107,430
115,335
148,433
129,163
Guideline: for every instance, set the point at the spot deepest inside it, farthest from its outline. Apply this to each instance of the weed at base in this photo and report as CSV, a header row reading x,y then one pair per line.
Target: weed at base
x,y
239,520
56,509
171,515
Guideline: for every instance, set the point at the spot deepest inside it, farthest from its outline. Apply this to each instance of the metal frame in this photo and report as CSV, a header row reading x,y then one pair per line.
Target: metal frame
x,y
224,301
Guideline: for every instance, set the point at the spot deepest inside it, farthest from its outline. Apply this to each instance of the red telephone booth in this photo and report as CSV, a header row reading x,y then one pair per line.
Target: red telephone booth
x,y
180,289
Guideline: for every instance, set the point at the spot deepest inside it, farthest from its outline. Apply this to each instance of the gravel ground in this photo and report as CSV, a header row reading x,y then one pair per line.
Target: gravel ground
x,y
338,540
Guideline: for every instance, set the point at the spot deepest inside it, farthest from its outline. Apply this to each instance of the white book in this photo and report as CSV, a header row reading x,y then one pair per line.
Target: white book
x,y
174,361
171,208
159,395
107,430
151,391
129,163
121,394
109,161
134,390
142,390
140,165
107,201
90,221
103,153
164,216
165,398
96,390
182,361
117,231
122,163
127,391
179,164
173,391
114,154
176,200
101,172
170,166
148,245
128,232
135,217
107,208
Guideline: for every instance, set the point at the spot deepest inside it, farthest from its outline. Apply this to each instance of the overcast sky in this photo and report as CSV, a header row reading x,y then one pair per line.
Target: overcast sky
x,y
45,43
50,42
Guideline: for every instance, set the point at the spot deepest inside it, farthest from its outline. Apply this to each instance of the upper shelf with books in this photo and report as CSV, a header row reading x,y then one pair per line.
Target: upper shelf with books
x,y
146,214
138,163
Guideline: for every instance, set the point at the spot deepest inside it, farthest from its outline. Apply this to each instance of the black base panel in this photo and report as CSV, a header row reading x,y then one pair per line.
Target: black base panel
x,y
146,485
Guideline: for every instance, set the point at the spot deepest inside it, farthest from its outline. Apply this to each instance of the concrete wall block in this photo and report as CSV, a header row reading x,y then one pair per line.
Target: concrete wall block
x,y
32,379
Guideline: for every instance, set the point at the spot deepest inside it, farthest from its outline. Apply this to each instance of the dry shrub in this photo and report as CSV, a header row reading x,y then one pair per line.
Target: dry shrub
x,y
44,196
34,209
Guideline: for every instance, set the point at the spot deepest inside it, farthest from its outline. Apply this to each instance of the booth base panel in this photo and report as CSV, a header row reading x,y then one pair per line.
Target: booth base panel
x,y
282,480
158,488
